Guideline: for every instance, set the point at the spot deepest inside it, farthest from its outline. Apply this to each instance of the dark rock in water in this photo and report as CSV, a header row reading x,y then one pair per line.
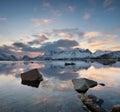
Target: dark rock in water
x,y
66,64
96,100
115,108
92,103
81,85
31,78
92,107
102,84
31,83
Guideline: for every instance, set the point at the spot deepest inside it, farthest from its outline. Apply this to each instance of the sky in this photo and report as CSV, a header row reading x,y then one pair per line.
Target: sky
x,y
33,27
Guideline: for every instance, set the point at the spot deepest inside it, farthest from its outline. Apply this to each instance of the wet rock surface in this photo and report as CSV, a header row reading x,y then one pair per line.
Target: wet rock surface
x,y
81,85
31,78
115,108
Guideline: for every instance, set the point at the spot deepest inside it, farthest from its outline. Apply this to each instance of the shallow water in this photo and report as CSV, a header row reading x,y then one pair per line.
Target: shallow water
x,y
56,93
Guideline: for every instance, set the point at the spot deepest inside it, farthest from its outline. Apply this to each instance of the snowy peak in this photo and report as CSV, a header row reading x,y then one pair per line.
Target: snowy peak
x,y
113,54
71,54
100,53
74,54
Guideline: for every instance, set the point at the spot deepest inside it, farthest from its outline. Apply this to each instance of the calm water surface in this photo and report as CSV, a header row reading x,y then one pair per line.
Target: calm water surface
x,y
56,93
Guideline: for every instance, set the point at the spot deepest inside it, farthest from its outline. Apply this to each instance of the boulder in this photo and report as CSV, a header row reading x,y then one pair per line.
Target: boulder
x,y
115,108
31,78
92,103
81,85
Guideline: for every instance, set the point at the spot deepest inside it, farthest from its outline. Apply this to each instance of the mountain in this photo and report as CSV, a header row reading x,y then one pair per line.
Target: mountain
x,y
26,58
77,53
74,54
99,53
8,57
111,55
71,54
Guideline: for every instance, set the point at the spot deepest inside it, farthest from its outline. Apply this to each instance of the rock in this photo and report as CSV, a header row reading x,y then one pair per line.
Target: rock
x,y
66,64
92,107
92,103
102,84
31,78
115,108
81,85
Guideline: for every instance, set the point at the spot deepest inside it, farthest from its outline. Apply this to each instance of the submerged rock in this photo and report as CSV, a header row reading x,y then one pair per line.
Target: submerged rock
x,y
92,103
115,108
31,78
81,85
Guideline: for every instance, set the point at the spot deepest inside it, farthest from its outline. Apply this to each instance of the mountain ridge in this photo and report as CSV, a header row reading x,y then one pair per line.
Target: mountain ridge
x,y
74,54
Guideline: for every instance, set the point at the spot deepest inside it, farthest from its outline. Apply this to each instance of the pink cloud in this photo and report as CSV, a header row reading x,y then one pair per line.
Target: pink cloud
x,y
40,22
92,34
40,38
108,38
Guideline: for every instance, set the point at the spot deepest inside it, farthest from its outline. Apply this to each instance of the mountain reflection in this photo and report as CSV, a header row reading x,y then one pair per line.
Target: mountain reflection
x,y
56,88
54,68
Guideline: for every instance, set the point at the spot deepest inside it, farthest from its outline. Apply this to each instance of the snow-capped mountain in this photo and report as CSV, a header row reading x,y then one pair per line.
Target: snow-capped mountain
x,y
99,53
74,54
113,55
71,54
7,57
81,54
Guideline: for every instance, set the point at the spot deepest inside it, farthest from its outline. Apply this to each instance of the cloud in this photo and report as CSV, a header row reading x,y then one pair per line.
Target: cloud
x,y
87,15
47,21
19,44
68,33
107,3
40,38
62,39
71,8
57,45
72,34
108,38
34,42
6,50
92,34
45,47
3,19
98,43
49,7
115,47
40,22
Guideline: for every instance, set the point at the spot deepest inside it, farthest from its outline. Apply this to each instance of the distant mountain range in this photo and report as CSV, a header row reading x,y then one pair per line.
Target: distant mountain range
x,y
74,54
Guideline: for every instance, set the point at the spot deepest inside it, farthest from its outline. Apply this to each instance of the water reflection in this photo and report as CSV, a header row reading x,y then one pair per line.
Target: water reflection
x,y
55,93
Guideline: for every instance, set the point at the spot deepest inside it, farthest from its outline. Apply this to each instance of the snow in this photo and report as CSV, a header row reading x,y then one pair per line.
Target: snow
x,y
68,55
100,53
